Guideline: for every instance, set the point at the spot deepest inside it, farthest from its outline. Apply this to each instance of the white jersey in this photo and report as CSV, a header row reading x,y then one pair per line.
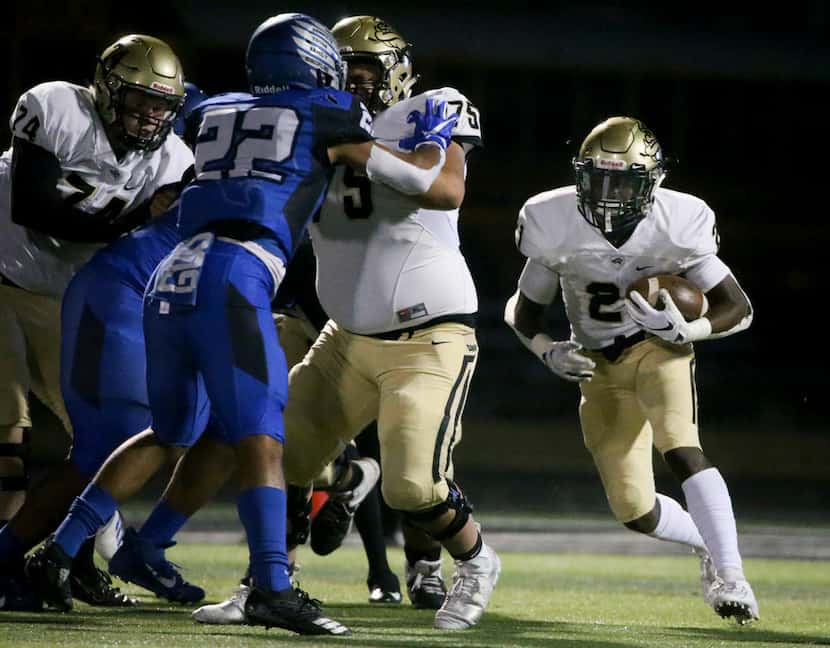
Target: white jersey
x,y
383,262
61,118
679,236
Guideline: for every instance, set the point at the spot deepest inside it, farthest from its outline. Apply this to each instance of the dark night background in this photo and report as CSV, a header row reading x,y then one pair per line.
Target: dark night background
x,y
737,97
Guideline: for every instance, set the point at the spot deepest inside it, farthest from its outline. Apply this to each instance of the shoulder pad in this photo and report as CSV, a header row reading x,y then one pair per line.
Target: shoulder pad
x,y
538,227
691,224
55,116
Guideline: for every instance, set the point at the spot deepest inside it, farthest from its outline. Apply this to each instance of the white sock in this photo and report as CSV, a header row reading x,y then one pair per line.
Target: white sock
x,y
710,506
675,525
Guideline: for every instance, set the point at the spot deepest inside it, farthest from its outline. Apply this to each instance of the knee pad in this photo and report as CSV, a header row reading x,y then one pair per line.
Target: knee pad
x,y
455,502
21,451
298,515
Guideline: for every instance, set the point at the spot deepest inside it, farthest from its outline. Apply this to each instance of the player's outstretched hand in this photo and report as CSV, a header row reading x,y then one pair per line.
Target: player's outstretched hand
x,y
432,127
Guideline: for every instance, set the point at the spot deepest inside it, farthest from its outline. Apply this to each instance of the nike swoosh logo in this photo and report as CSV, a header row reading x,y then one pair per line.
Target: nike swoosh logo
x,y
667,327
443,342
641,268
166,581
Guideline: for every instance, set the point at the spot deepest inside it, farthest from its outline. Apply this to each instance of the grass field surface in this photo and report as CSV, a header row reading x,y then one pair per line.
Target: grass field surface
x,y
542,599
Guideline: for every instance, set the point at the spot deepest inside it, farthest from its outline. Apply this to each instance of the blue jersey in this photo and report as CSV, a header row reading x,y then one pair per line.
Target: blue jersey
x,y
103,364
132,258
262,162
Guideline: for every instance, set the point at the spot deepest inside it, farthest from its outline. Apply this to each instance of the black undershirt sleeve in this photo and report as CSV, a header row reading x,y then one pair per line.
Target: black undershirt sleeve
x,y
37,204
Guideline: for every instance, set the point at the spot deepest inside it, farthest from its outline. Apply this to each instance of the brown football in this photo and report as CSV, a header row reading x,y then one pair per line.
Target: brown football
x,y
688,298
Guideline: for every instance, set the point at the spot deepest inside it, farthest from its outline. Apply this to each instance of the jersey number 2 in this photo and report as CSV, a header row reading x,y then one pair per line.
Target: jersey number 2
x,y
602,295
254,142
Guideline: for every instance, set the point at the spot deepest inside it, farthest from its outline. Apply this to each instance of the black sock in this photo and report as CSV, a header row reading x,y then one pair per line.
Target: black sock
x,y
414,555
367,520
472,553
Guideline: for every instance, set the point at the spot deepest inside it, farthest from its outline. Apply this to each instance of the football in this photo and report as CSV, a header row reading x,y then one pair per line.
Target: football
x,y
688,298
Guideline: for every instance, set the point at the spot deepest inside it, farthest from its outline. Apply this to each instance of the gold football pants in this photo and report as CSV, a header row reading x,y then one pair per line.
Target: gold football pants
x,y
647,397
30,349
415,387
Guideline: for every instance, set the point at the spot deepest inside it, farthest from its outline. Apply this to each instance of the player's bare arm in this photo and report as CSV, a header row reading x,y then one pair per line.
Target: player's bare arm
x,y
447,192
528,315
728,305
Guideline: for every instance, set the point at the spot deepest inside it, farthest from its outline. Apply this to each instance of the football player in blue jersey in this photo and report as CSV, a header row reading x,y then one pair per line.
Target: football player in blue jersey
x,y
263,163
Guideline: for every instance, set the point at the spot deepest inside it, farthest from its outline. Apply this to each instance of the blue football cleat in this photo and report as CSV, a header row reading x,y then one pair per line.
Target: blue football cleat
x,y
142,563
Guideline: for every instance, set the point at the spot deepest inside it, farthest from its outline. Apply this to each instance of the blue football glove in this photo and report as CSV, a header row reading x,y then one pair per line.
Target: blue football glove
x,y
431,127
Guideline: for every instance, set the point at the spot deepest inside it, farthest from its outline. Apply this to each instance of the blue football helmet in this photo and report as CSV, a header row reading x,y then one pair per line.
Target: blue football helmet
x,y
293,51
193,97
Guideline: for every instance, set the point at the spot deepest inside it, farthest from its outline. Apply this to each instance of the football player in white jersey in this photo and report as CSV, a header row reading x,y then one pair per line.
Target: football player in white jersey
x,y
635,363
86,165
400,346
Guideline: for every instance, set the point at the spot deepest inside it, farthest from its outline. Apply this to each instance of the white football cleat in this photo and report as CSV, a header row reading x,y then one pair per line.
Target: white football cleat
x,y
473,583
228,612
735,599
708,574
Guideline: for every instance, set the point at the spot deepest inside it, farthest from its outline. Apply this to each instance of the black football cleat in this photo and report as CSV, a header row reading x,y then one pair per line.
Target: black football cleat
x,y
384,588
15,593
291,609
47,571
333,521
425,584
94,587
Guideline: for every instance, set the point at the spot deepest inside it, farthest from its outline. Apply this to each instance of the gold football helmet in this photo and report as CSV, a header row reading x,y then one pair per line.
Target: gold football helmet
x,y
618,167
367,39
145,65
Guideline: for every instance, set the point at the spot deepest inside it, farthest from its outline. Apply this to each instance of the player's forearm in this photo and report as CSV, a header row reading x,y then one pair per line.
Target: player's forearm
x,y
68,224
524,316
729,309
448,190
37,204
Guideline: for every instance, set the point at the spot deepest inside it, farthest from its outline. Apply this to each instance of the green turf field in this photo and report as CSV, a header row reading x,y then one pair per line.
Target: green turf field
x,y
556,600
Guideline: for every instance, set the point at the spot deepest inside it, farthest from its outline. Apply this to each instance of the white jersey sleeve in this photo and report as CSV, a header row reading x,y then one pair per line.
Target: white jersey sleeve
x,y
49,116
701,241
536,232
467,130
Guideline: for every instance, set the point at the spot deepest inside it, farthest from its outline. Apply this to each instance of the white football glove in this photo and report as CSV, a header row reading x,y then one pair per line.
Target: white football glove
x,y
668,324
563,358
